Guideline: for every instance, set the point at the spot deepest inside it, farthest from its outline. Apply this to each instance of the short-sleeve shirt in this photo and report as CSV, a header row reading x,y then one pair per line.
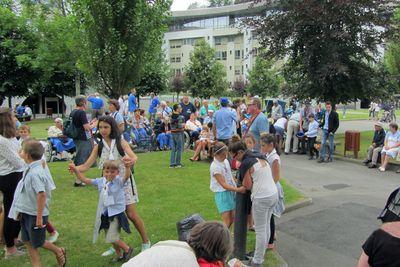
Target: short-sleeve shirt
x,y
118,117
224,119
204,110
260,125
97,102
382,249
33,182
392,138
224,169
187,110
153,105
79,119
115,201
132,103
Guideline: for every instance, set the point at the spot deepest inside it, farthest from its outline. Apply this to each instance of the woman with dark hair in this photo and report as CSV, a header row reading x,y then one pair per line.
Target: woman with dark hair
x,y
255,174
382,247
11,168
110,146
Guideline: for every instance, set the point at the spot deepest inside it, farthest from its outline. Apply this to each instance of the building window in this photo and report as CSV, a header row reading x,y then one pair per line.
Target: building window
x,y
224,55
237,54
230,67
178,72
230,52
231,38
172,46
218,40
218,55
242,70
237,72
178,59
172,60
178,46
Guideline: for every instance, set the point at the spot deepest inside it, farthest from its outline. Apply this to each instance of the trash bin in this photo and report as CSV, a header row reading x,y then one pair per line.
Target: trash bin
x,y
352,142
49,112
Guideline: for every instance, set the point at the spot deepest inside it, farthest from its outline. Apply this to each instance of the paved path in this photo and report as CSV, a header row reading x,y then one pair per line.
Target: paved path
x,y
360,125
347,198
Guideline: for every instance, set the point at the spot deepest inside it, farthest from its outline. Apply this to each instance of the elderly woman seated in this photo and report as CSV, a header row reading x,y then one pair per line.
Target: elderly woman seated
x,y
58,139
193,126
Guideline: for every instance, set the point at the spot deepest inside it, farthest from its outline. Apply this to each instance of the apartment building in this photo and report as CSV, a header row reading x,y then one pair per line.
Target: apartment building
x,y
221,27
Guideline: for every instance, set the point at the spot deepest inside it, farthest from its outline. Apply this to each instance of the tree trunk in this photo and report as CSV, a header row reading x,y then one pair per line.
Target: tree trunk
x,y
77,84
9,102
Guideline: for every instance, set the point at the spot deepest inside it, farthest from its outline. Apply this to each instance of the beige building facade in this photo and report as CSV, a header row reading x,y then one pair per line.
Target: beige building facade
x,y
235,46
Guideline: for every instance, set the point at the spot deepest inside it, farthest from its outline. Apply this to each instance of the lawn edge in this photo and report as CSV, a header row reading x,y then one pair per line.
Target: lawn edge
x,y
307,201
282,262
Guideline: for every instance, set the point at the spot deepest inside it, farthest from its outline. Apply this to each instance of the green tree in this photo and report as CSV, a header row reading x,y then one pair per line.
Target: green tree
x,y
239,87
264,79
116,36
205,76
330,46
17,45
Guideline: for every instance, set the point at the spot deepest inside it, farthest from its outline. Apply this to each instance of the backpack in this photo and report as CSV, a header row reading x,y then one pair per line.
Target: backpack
x,y
70,130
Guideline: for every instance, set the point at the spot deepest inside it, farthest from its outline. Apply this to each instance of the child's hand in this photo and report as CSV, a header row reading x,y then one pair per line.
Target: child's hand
x,y
128,161
39,222
241,190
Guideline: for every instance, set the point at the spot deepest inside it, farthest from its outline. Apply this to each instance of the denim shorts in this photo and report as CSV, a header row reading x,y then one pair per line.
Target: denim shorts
x,y
225,201
29,233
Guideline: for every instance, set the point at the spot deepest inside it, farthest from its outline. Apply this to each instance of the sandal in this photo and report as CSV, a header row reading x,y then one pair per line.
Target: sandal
x,y
62,257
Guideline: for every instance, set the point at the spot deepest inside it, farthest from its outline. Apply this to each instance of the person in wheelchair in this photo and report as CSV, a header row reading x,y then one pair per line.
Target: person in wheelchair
x,y
162,131
58,140
138,126
193,126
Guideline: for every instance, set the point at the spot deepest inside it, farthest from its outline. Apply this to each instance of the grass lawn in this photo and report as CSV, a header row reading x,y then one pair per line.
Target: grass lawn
x,y
358,114
39,127
365,142
166,196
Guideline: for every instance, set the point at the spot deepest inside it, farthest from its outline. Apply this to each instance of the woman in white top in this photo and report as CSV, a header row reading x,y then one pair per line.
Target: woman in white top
x,y
391,146
223,184
11,168
257,177
112,147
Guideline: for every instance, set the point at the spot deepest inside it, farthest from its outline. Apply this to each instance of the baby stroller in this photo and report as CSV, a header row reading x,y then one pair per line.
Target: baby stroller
x,y
389,114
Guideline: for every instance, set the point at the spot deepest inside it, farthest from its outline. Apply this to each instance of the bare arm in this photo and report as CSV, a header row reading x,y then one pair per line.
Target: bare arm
x,y
41,203
127,173
220,179
363,261
247,182
276,171
214,129
82,177
87,127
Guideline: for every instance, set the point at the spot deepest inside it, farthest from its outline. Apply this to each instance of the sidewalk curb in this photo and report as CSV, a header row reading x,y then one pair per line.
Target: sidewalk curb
x,y
282,260
300,204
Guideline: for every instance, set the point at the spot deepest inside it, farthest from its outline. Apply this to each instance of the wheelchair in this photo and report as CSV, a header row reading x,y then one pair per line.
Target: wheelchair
x,y
51,151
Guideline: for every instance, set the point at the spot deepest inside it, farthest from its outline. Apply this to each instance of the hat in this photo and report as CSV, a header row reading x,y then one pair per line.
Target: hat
x,y
211,110
300,135
378,124
224,100
391,212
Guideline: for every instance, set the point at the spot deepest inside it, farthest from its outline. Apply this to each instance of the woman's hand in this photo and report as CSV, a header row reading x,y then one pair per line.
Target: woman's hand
x,y
128,161
241,190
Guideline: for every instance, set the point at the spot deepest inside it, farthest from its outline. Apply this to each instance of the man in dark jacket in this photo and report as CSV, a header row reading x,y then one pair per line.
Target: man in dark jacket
x,y
329,125
376,147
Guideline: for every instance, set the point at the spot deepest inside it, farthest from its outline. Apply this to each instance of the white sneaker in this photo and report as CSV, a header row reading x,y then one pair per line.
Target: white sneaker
x,y
109,252
382,169
17,253
53,238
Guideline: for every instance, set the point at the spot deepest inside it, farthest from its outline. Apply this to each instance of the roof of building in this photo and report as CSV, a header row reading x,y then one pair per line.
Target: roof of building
x,y
210,12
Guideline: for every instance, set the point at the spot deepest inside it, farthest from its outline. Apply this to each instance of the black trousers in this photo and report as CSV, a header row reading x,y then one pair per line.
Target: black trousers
x,y
311,142
8,184
272,227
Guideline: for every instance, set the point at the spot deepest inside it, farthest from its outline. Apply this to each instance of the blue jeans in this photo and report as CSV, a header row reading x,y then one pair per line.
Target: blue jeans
x,y
140,134
176,148
325,136
164,139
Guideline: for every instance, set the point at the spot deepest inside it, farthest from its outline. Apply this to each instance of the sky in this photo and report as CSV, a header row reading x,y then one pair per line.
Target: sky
x,y
183,4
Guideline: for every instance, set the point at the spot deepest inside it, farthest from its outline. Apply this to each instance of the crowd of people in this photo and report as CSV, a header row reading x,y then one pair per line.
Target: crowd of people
x,y
243,141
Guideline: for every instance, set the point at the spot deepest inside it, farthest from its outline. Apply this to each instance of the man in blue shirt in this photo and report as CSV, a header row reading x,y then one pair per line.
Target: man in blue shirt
x,y
223,120
258,122
97,105
132,102
154,103
187,107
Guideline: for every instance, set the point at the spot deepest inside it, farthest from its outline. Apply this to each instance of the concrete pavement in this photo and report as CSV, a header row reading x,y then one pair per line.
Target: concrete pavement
x,y
360,125
347,198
